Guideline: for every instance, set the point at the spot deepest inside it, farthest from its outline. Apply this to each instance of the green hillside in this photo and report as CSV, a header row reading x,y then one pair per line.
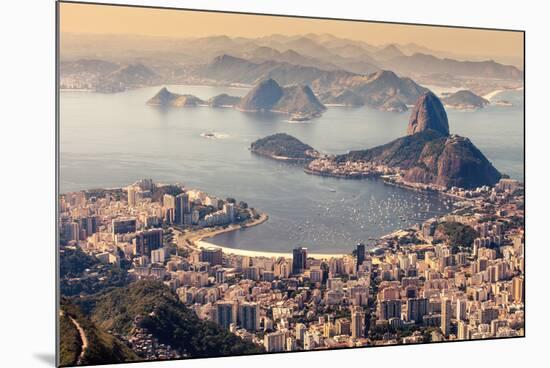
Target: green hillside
x,y
102,347
170,321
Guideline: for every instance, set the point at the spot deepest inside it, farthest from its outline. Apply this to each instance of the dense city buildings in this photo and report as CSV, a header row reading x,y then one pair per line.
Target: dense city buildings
x,y
455,277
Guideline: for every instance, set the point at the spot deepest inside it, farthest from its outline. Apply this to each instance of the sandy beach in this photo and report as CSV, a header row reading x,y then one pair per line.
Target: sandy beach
x,y
490,95
255,253
196,240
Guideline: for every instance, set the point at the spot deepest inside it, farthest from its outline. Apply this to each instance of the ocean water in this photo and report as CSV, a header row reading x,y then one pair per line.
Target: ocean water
x,y
112,140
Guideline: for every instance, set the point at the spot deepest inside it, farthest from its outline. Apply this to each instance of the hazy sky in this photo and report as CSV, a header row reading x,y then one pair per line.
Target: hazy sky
x,y
102,19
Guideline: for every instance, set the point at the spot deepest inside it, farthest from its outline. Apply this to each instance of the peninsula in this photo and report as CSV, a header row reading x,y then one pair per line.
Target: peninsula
x,y
429,156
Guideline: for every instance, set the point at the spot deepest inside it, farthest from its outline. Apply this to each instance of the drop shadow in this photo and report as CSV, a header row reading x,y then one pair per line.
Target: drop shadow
x,y
45,358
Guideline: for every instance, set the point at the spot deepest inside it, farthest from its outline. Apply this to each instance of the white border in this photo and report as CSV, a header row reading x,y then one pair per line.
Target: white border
x,y
27,205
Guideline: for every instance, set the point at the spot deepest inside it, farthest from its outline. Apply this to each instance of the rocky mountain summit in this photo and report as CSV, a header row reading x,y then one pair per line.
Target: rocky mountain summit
x,y
262,97
428,113
452,161
428,154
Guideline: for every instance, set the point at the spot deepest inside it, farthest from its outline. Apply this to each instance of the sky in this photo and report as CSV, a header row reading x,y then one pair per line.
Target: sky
x,y
106,19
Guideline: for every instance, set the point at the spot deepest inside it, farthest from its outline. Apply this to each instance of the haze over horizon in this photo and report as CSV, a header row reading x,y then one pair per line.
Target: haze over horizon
x,y
502,46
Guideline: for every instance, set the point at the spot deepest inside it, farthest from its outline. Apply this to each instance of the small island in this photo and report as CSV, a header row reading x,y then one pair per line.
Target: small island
x,y
223,100
465,100
165,98
284,147
299,101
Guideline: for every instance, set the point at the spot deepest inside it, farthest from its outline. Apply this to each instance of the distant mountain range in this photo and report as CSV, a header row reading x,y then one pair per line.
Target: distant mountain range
x,y
383,89
231,69
175,59
133,75
92,66
389,52
105,76
429,64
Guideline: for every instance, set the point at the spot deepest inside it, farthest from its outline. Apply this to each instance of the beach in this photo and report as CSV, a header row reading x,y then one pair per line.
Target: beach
x,y
255,253
490,95
196,241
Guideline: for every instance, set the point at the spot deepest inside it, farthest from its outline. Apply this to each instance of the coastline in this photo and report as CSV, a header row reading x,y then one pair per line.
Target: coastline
x,y
197,241
492,94
266,254
281,158
309,171
419,187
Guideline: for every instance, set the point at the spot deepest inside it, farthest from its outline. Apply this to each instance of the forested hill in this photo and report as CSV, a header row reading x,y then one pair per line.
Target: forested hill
x,y
170,321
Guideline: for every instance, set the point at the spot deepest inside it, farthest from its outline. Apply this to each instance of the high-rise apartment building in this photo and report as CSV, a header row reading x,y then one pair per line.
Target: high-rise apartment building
x,y
446,312
299,260
389,309
169,208
360,250
274,341
214,256
225,314
124,225
132,195
146,241
417,308
249,316
182,208
357,322
517,289
461,309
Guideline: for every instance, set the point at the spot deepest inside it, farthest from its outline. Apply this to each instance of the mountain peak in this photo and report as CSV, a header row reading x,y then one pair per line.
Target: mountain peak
x,y
428,113
268,95
225,58
385,74
262,97
389,52
162,98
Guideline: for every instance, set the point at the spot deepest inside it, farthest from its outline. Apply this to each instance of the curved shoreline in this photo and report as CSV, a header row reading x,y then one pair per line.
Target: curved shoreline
x,y
303,160
267,254
309,171
196,242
